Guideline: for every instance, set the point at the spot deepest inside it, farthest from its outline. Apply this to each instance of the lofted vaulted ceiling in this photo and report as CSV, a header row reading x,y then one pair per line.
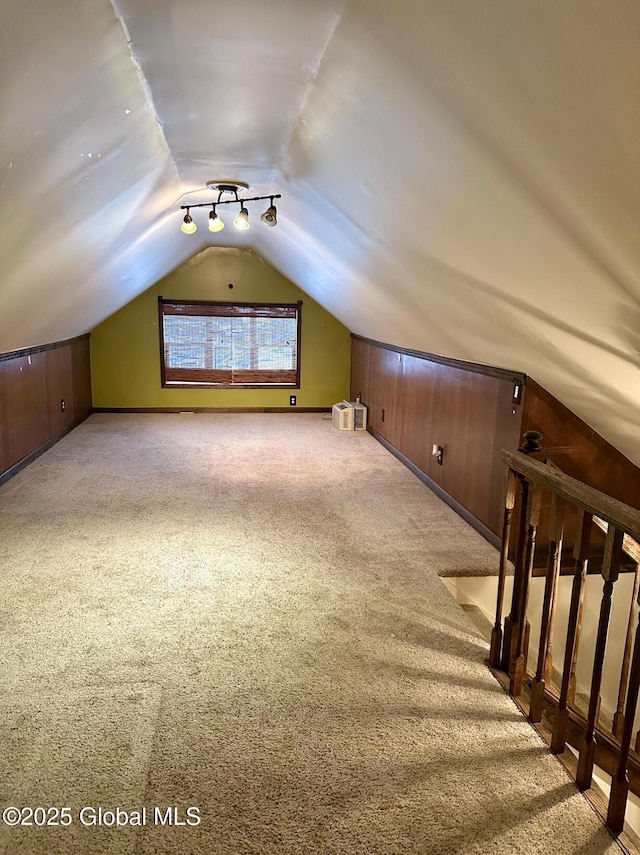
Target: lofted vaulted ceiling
x,y
457,176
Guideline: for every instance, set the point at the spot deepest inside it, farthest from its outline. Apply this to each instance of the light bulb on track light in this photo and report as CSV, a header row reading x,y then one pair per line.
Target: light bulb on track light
x,y
270,216
215,223
188,226
242,220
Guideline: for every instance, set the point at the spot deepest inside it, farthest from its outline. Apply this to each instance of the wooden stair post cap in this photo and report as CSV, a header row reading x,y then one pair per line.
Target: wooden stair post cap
x,y
532,442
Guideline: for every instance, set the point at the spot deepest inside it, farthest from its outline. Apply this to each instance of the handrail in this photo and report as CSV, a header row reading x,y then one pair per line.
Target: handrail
x,y
592,501
629,545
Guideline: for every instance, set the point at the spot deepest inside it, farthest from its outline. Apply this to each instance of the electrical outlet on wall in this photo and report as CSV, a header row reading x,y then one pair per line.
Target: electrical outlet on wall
x,y
292,400
62,405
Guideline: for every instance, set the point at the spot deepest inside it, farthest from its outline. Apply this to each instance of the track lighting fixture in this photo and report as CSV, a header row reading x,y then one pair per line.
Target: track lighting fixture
x,y
270,216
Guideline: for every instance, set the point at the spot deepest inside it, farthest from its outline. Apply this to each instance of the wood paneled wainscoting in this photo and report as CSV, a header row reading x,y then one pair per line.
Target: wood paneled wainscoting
x,y
45,391
419,400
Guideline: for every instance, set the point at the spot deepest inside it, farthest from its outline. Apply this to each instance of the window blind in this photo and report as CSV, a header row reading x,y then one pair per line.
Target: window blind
x,y
229,344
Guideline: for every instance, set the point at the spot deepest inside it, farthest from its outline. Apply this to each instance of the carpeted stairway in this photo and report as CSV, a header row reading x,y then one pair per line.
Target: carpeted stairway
x,y
241,613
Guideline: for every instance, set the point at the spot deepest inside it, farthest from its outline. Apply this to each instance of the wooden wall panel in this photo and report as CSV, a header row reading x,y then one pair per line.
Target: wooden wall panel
x,y
385,371
419,407
466,410
577,449
4,419
33,382
59,383
28,419
580,452
469,415
474,419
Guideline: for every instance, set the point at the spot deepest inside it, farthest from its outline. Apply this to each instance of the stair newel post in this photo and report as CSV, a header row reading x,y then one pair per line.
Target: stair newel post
x,y
581,555
544,666
509,504
610,573
533,447
620,781
522,642
618,718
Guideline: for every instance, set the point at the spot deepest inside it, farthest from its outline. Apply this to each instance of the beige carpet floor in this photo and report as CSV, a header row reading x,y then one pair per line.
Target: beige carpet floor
x,y
241,613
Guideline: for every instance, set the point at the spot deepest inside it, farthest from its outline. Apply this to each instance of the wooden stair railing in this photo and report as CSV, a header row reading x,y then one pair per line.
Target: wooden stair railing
x,y
529,478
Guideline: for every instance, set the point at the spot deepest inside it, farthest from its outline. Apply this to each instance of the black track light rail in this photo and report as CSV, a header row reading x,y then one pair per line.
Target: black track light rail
x,y
231,201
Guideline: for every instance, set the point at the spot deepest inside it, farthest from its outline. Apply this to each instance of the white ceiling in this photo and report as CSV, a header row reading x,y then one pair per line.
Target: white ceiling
x,y
457,177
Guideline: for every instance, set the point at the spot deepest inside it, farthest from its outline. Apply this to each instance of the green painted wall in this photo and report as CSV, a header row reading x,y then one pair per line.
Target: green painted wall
x,y
125,349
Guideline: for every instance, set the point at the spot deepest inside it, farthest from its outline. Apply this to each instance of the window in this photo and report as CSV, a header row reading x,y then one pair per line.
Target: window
x,y
229,344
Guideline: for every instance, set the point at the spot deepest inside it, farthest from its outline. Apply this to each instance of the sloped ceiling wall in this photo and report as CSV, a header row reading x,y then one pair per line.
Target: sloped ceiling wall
x,y
458,177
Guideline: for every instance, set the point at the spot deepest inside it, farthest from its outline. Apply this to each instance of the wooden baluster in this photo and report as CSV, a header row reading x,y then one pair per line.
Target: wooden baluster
x,y
548,661
533,518
512,621
610,573
533,447
620,781
509,504
618,718
581,555
556,529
